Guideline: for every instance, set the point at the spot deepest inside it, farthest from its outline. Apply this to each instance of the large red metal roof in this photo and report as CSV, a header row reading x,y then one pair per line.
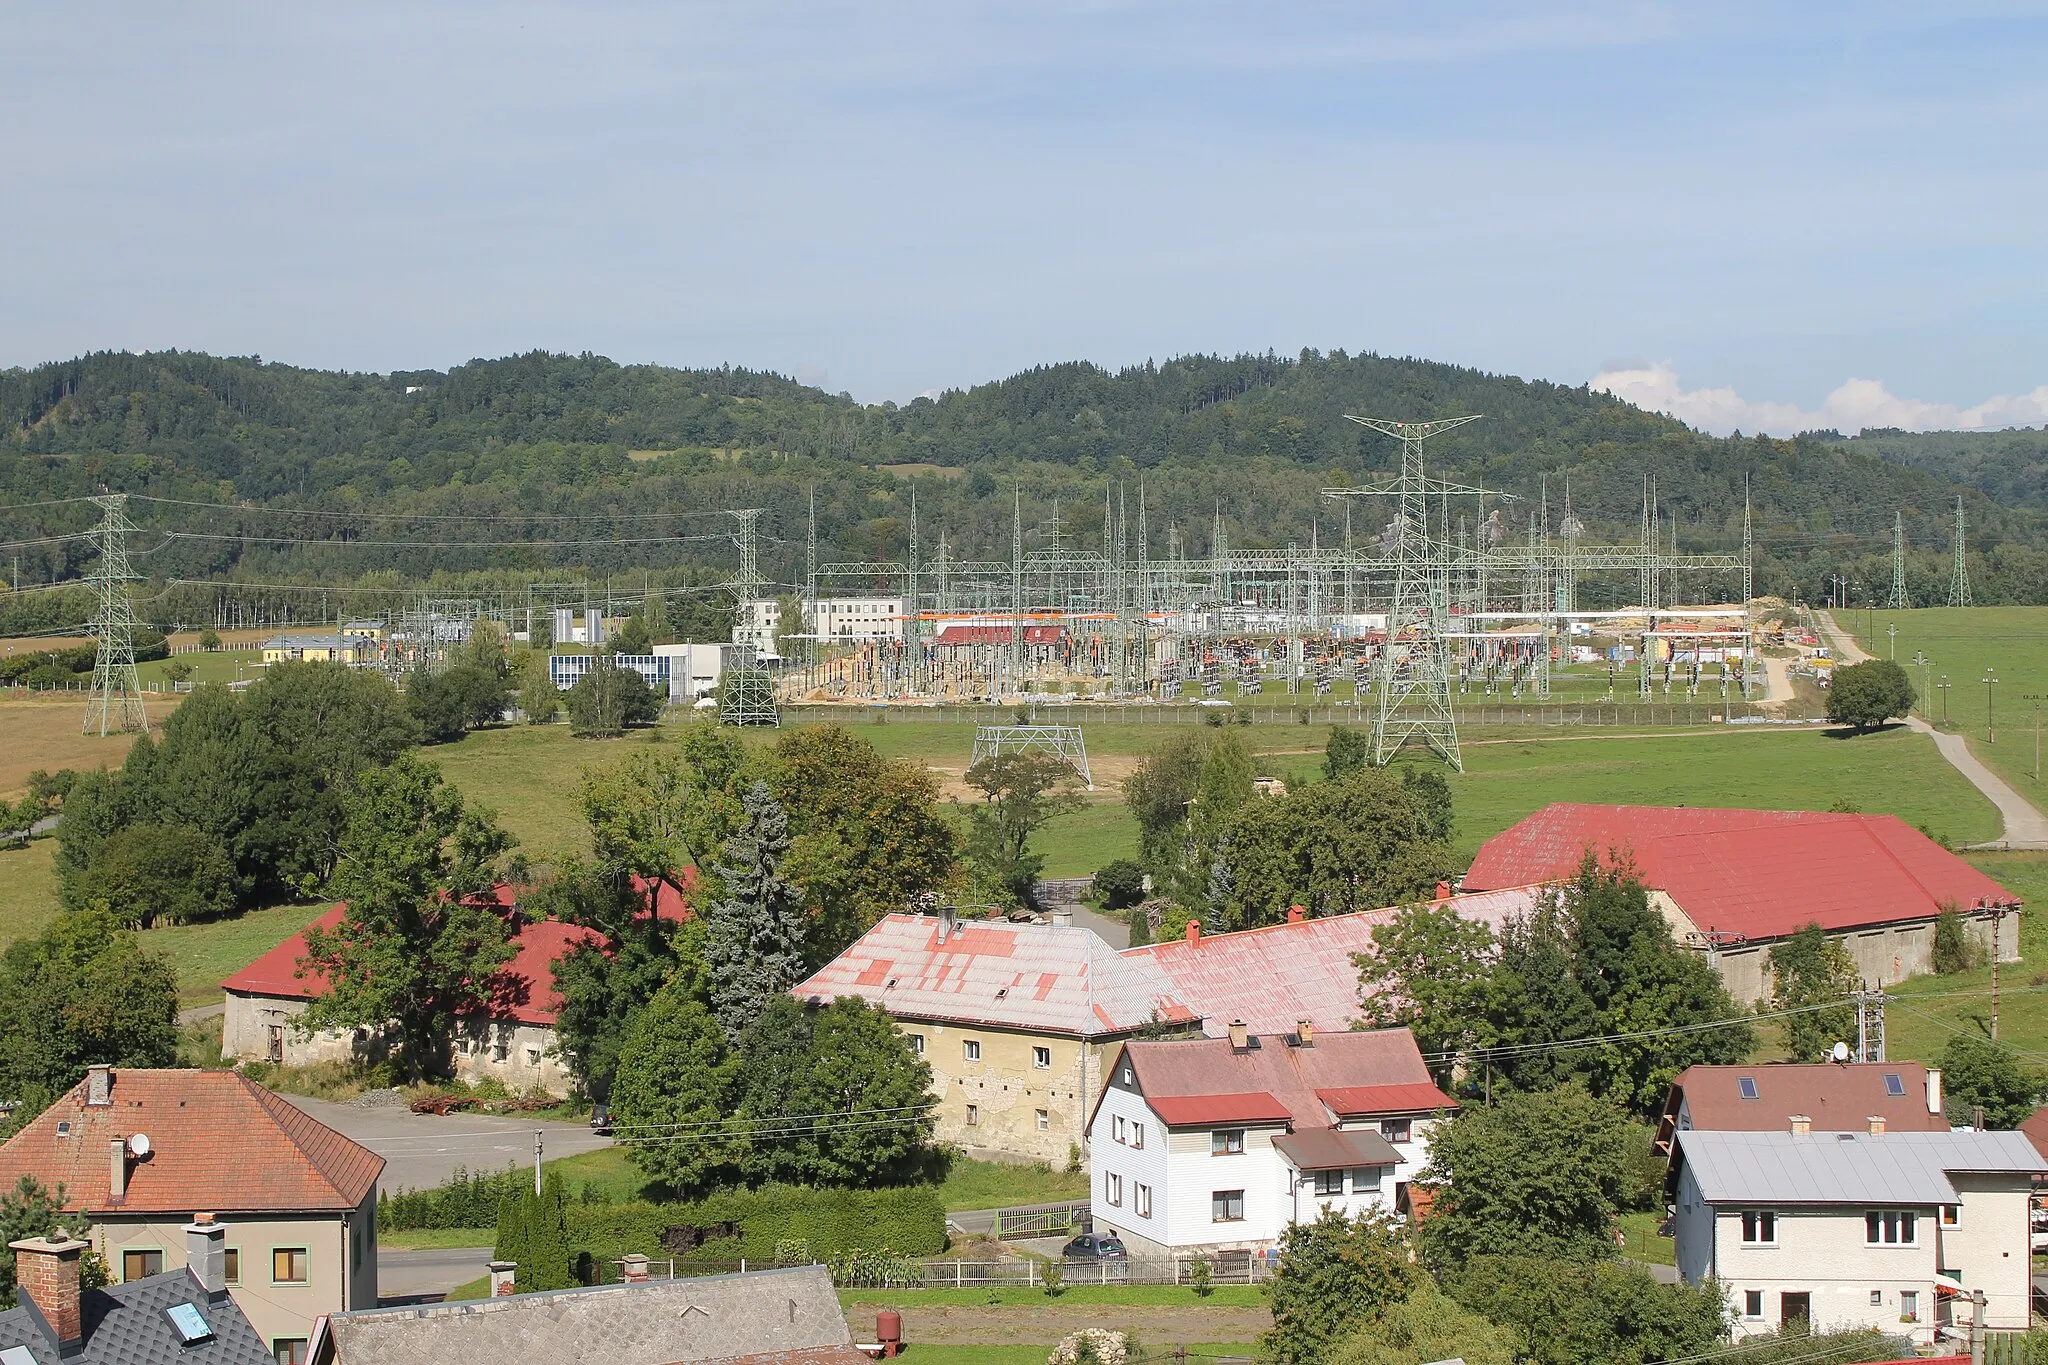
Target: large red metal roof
x,y
1189,1111
1761,873
527,990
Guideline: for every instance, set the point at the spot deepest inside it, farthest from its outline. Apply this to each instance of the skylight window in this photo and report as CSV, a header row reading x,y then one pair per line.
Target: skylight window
x,y
1747,1085
189,1323
1892,1084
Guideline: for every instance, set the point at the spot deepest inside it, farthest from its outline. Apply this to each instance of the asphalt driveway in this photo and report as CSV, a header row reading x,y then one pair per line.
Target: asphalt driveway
x,y
421,1151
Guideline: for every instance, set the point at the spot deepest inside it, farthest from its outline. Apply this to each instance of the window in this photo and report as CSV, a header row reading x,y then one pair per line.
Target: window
x,y
973,1115
189,1323
288,1265
1893,1086
1044,1121
1892,1228
1117,1128
1951,1215
1746,1086
234,1265
1365,1179
1759,1228
971,1049
1041,1057
501,1049
462,1047
140,1263
533,1056
917,1044
1127,1075
1329,1183
1113,1189
1227,1206
1909,1305
1226,1142
1752,1303
289,1350
1396,1130
1877,1298
1141,1196
1137,1133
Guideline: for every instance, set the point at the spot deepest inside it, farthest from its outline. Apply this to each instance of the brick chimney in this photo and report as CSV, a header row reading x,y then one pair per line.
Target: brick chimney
x,y
99,1086
206,1255
1443,891
633,1268
1876,1125
1240,1036
1295,914
1194,932
46,1270
502,1278
1305,1032
1802,1125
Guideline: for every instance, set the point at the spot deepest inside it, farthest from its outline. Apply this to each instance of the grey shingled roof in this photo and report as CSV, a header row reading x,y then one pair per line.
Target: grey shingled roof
x,y
716,1317
1847,1168
125,1325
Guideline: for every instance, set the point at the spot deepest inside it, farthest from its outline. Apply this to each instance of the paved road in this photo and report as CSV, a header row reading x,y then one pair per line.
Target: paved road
x,y
421,1151
423,1275
2025,826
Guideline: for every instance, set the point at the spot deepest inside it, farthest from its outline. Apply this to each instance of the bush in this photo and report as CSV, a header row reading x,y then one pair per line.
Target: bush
x,y
1953,951
465,1200
1120,885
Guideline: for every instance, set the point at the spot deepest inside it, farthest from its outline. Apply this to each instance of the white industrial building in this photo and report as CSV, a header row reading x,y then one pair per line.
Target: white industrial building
x,y
853,619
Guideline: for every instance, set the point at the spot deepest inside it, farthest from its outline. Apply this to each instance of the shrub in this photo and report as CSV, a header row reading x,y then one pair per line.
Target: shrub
x,y
1120,884
1953,951
832,1224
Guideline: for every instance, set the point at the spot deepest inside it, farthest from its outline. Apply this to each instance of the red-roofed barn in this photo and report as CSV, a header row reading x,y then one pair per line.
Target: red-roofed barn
x,y
1733,882
514,1043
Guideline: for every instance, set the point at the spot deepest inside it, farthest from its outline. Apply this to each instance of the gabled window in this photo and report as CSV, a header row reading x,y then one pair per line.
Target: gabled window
x,y
1117,1127
1746,1086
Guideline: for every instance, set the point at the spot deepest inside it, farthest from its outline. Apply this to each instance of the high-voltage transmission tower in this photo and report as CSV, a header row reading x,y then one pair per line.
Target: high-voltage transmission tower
x,y
1412,683
1959,576
116,703
1898,601
746,695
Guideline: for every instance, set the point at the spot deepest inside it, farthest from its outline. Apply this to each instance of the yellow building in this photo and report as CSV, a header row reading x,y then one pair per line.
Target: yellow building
x,y
329,649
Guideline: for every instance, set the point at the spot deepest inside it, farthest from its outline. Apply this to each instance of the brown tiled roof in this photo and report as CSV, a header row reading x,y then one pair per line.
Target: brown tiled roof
x,y
218,1142
2036,1129
1286,1079
1840,1097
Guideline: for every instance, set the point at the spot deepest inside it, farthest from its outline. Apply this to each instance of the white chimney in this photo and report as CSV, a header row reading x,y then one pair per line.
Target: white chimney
x,y
1240,1036
99,1086
1934,1105
502,1273
117,1168
206,1254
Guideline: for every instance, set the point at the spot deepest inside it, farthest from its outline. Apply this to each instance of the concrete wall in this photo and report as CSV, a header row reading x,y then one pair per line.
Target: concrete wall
x,y
341,1261
1884,954
1988,1245
519,1056
1006,1088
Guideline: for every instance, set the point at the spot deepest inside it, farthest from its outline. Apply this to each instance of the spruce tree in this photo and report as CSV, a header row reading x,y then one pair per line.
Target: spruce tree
x,y
755,933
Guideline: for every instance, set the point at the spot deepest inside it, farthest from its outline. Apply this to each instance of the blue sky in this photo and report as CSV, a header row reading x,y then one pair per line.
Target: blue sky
x,y
1772,215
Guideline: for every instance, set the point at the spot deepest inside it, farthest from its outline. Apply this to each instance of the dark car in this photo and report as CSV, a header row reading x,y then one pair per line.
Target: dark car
x,y
601,1120
1091,1246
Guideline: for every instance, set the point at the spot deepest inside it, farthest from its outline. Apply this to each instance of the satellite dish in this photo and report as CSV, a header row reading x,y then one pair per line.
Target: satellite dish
x,y
138,1146
1841,1052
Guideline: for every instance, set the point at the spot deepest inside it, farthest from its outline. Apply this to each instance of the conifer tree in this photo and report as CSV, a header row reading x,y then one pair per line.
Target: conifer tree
x,y
754,943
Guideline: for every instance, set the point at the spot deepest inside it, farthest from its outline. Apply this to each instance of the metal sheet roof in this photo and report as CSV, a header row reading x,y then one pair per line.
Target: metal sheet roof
x,y
1359,1101
1762,873
1047,978
1192,1111
1210,1068
1276,976
1320,1149
1847,1168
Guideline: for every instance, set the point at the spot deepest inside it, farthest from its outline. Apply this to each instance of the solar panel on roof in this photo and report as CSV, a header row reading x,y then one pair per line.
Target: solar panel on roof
x,y
189,1323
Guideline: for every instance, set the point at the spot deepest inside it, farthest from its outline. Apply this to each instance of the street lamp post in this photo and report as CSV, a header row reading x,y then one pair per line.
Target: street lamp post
x,y
1990,680
1944,685
1893,631
1923,663
2037,698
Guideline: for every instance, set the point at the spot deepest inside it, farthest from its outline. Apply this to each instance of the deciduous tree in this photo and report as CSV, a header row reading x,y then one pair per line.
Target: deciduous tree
x,y
675,1087
1021,791
1980,1073
1335,1274
1430,971
1869,693
1813,974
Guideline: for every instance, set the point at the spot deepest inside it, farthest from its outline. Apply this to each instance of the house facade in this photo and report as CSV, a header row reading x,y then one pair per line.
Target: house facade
x,y
326,649
1216,1145
512,1043
1732,883
144,1153
852,619
1889,1231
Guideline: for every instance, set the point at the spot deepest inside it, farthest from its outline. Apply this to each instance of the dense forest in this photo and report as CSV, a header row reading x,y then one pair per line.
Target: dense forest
x,y
554,466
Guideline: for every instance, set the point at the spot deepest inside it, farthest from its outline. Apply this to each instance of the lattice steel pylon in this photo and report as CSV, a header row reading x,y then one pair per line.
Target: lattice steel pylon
x,y
116,705
1412,689
1897,600
746,691
1959,576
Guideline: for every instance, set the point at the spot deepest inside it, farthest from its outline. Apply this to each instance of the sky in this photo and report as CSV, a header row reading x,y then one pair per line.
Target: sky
x,y
1761,217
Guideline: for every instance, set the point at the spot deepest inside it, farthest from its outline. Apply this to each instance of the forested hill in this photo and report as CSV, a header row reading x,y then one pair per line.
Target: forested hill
x,y
528,438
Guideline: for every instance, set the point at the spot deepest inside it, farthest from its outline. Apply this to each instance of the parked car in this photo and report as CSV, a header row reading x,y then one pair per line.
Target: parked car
x,y
1091,1246
601,1120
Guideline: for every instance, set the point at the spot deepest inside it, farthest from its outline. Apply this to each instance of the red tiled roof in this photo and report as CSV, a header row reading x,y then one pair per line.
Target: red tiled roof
x,y
523,996
1210,1070
1276,976
218,1142
998,635
1358,1101
1184,1111
1762,873
1840,1097
1048,978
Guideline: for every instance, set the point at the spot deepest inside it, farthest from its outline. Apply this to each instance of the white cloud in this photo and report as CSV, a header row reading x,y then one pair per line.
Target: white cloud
x,y
1858,403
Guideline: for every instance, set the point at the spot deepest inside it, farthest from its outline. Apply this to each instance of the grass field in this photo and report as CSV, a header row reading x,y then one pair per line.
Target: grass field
x,y
204,954
1927,1011
1220,1296
969,1185
43,732
1966,645
28,889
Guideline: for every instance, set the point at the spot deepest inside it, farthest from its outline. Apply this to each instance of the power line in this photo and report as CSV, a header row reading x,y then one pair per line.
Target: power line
x,y
420,516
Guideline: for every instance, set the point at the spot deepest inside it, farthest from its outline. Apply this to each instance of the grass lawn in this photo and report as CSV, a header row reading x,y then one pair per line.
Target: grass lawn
x,y
225,665
437,1239
1036,1355
1643,1242
28,889
1965,645
1929,1010
43,732
1220,1296
205,954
